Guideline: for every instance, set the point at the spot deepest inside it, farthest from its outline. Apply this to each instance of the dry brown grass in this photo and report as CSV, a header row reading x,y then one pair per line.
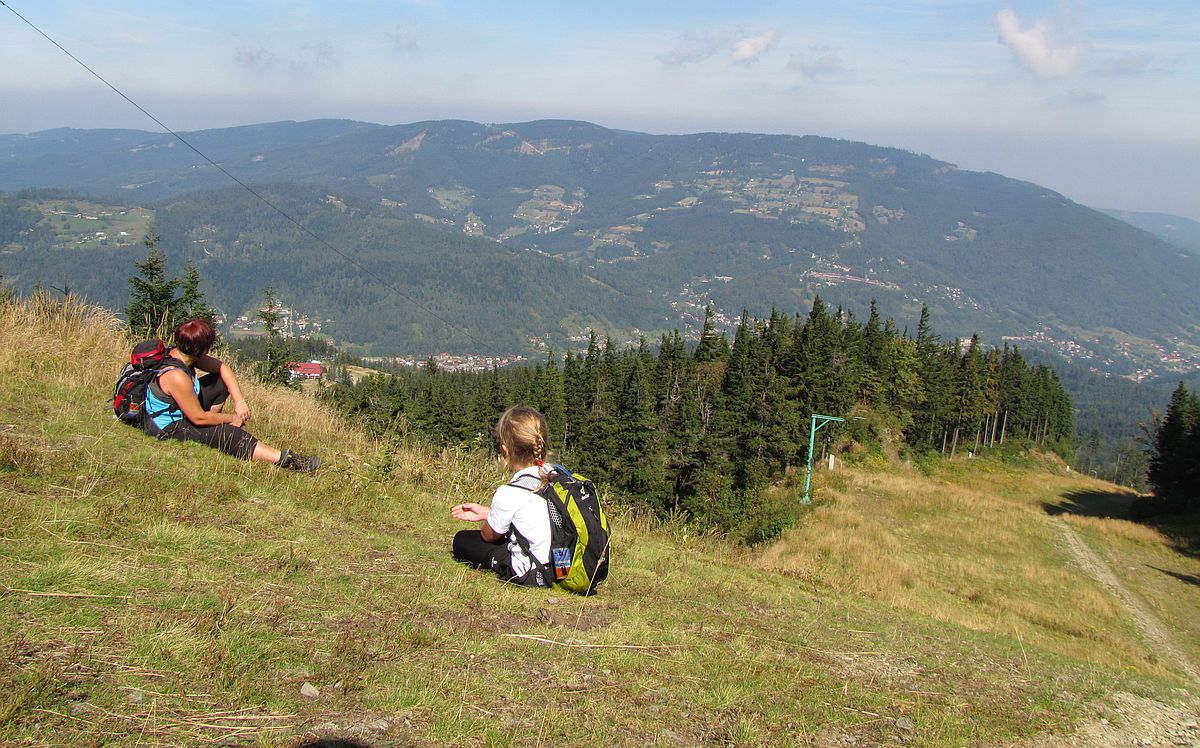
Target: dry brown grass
x,y
59,338
1131,531
985,555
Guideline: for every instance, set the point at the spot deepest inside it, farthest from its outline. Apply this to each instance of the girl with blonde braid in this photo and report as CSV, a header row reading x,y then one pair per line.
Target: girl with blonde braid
x,y
515,507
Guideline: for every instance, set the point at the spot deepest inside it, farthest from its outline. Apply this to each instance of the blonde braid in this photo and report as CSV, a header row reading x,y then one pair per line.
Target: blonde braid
x,y
539,454
523,431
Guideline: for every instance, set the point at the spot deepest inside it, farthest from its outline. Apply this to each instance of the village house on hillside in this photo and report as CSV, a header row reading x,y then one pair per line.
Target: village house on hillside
x,y
306,370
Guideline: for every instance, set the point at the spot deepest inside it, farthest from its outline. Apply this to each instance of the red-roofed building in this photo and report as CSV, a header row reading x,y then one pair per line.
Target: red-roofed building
x,y
306,370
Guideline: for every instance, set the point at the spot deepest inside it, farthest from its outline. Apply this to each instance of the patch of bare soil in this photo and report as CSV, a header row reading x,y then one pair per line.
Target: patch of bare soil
x,y
1130,721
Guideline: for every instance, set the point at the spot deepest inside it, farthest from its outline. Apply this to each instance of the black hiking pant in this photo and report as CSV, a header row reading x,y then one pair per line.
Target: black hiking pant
x,y
471,548
228,439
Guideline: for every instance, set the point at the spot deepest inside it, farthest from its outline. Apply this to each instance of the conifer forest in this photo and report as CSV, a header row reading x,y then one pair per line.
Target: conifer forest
x,y
705,430
1175,460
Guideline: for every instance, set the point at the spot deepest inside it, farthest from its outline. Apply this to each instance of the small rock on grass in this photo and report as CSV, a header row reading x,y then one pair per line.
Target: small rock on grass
x,y
309,691
904,723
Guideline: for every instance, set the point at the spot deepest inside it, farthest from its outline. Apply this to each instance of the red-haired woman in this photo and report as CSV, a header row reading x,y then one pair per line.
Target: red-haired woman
x,y
181,405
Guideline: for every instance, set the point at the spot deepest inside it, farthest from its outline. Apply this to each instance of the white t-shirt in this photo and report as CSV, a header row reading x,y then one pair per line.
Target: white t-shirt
x,y
515,507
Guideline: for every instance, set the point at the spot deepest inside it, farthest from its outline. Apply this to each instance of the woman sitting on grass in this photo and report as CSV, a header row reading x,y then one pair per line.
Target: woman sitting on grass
x,y
180,405
515,508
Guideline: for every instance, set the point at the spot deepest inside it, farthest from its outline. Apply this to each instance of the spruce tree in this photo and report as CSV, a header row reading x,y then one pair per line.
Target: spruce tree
x,y
279,350
603,437
191,303
712,346
813,366
1015,402
154,308
875,350
738,423
551,399
972,381
1191,459
637,438
489,402
669,371
1174,444
576,406
934,419
903,389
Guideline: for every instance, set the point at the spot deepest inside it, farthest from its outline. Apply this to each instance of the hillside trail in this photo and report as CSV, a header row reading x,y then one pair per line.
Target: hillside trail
x,y
1147,623
1131,720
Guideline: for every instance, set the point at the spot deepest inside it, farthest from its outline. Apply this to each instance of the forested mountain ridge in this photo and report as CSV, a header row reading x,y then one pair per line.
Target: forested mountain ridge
x,y
744,220
1177,230
388,282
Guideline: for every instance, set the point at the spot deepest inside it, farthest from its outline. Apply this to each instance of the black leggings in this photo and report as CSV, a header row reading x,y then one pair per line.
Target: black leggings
x,y
471,548
212,390
229,439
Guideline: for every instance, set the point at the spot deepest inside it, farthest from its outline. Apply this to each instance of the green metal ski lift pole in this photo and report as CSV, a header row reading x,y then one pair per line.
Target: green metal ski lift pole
x,y
812,440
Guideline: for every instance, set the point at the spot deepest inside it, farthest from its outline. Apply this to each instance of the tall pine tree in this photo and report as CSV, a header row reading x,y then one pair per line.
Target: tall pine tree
x,y
192,304
1174,444
154,309
279,350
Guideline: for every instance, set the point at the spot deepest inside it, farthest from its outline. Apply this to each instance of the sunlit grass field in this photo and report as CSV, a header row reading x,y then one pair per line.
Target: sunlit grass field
x,y
975,545
164,594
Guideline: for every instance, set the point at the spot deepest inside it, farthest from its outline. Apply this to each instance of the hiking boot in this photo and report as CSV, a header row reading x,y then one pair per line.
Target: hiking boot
x,y
301,464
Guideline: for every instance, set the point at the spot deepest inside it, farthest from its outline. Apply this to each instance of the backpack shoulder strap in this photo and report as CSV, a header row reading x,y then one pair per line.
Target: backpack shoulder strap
x,y
168,363
516,483
542,569
553,475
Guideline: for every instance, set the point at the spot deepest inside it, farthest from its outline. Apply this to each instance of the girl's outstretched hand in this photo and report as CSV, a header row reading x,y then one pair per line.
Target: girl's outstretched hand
x,y
469,512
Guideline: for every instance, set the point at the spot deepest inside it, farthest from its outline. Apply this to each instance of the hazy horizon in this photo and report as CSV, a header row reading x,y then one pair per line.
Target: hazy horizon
x,y
1087,100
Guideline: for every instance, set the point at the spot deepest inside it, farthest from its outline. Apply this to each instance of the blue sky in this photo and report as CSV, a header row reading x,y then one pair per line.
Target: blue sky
x,y
1099,100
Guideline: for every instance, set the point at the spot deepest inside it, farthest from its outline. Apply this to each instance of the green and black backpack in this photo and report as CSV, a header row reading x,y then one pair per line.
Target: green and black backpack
x,y
578,533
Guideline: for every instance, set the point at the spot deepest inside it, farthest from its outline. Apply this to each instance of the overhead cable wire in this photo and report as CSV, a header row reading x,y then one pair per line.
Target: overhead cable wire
x,y
256,193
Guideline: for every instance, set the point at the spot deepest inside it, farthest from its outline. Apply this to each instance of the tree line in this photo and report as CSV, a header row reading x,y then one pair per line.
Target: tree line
x,y
1175,460
706,430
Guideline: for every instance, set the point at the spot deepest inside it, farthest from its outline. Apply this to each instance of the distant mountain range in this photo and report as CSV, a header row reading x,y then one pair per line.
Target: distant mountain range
x,y
559,226
1182,232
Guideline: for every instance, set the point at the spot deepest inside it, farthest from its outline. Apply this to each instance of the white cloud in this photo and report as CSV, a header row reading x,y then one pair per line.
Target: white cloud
x,y
1084,97
316,54
401,39
1035,48
818,61
692,49
308,57
750,48
1126,66
254,59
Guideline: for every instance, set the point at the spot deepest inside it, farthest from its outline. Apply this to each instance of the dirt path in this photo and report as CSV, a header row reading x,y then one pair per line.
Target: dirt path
x,y
1130,720
1147,623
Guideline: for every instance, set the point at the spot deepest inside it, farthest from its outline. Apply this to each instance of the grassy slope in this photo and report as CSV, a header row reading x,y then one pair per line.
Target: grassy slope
x,y
980,544
207,592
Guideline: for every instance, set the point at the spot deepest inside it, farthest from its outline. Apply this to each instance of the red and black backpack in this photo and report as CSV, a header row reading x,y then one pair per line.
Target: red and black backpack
x,y
148,358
